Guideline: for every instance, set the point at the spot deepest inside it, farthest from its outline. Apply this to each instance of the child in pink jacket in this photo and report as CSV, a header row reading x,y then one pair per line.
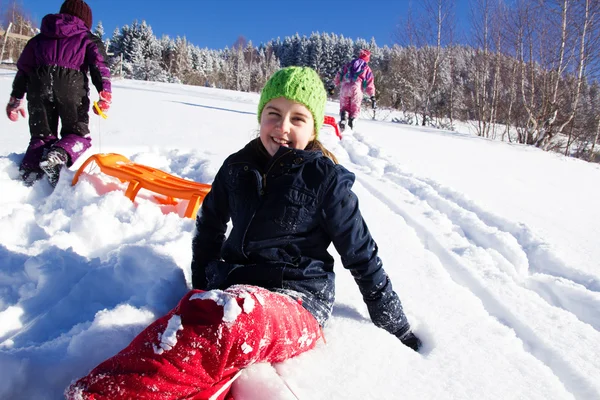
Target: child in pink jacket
x,y
355,78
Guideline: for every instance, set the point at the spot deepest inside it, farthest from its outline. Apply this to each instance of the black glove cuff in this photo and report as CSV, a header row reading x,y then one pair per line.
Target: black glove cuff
x,y
410,340
199,281
403,332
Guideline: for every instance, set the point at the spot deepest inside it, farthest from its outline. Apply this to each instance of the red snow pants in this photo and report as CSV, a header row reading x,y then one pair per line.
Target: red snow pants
x,y
194,351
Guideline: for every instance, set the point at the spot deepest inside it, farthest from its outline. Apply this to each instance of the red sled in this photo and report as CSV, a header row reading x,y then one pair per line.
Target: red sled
x,y
331,121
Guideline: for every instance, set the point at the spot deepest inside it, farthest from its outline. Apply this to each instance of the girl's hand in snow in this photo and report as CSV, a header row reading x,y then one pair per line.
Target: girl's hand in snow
x,y
409,339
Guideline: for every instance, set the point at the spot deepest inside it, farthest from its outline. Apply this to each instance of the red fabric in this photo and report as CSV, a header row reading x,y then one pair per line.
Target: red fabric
x,y
208,351
14,108
365,55
104,102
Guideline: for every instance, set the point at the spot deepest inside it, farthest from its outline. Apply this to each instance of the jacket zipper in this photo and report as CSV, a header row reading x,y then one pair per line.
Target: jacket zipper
x,y
264,185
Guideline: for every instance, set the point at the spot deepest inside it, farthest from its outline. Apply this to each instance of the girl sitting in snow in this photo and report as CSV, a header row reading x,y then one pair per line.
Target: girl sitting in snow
x,y
52,69
263,293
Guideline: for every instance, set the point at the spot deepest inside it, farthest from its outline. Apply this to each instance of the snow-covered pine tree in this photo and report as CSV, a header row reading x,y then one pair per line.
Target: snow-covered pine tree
x,y
182,59
328,68
359,44
315,55
287,55
99,30
302,50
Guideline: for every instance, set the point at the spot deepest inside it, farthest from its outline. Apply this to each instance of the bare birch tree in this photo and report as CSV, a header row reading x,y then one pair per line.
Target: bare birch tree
x,y
429,31
488,40
22,24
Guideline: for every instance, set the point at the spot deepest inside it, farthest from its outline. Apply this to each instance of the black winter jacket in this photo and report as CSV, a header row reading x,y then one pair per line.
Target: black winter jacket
x,y
285,212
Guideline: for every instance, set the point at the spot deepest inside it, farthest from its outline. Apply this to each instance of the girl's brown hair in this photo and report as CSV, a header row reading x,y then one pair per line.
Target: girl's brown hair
x,y
316,145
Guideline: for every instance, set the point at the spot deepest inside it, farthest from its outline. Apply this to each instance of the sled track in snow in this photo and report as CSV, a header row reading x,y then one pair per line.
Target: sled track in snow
x,y
523,252
528,258
540,259
513,255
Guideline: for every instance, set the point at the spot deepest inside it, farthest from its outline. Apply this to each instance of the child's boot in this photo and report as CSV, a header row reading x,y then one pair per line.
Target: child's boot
x,y
342,123
52,163
351,123
30,176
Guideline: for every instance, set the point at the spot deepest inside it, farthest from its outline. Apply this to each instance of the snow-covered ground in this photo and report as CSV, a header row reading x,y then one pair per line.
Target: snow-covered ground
x,y
493,249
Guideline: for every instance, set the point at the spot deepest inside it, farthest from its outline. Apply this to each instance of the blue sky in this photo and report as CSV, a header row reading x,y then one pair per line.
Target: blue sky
x,y
218,23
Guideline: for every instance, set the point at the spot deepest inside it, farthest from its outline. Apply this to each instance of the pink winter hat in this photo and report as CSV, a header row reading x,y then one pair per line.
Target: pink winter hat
x,y
365,55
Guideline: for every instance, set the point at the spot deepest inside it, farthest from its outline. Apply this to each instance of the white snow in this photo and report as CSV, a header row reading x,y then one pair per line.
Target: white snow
x,y
249,302
492,247
168,338
306,339
231,309
246,348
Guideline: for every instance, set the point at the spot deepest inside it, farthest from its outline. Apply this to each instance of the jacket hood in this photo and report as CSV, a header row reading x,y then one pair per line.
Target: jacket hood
x,y
357,66
62,25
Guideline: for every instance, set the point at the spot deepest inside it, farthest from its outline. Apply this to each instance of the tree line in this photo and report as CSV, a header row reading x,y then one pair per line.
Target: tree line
x,y
527,72
22,24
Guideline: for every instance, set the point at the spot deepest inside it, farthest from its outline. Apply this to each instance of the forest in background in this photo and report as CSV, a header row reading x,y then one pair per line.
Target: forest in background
x,y
526,72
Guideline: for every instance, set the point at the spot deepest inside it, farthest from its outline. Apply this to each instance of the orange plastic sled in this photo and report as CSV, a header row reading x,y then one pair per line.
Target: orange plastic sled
x,y
141,176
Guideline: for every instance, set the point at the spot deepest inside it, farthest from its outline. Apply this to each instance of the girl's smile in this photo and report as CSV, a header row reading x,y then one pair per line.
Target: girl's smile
x,y
286,123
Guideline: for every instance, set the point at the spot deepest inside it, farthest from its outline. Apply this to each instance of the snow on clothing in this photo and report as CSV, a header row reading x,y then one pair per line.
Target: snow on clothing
x,y
355,78
52,70
285,212
195,350
275,272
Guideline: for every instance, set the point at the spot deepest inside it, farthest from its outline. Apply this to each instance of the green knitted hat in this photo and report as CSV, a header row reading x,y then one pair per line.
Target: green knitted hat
x,y
300,84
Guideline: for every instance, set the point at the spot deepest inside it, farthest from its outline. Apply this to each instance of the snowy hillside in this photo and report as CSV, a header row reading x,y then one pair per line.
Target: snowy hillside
x,y
493,249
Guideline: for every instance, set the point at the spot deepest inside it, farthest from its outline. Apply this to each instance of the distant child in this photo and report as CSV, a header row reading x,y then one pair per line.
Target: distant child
x,y
263,293
355,78
52,70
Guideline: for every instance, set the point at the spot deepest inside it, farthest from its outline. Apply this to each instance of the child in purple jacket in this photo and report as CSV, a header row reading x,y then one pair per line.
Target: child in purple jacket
x,y
52,70
355,78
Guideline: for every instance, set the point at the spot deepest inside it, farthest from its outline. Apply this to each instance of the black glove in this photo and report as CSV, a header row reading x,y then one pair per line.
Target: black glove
x,y
373,102
199,280
409,339
331,89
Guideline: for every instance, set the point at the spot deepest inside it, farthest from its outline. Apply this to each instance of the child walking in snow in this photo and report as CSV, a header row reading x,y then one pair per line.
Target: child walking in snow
x,y
52,70
355,78
262,293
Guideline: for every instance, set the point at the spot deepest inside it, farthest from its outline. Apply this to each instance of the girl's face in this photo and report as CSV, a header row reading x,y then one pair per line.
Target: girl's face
x,y
286,123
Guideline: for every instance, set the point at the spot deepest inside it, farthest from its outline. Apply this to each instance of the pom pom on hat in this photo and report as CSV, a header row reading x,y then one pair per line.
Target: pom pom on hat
x,y
365,55
300,84
79,9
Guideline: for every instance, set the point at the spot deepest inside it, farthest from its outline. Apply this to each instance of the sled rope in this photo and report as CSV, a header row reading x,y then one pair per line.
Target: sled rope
x,y
104,116
225,387
287,385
